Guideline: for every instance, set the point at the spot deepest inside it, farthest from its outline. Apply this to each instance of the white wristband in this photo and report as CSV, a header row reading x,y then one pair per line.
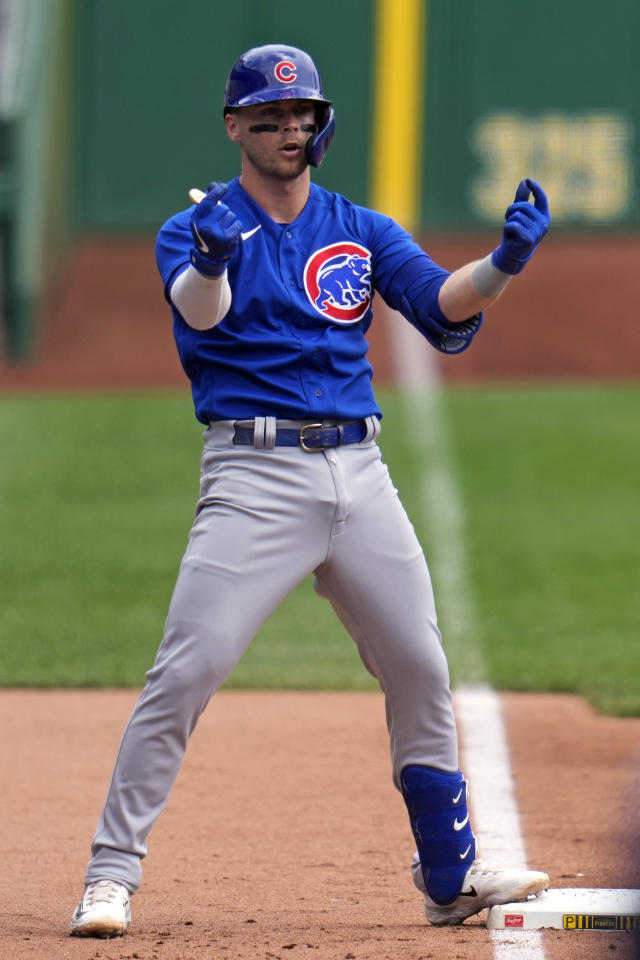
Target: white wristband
x,y
487,280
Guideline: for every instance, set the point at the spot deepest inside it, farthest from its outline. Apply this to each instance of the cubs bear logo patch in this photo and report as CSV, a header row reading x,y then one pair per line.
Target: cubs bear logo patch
x,y
337,281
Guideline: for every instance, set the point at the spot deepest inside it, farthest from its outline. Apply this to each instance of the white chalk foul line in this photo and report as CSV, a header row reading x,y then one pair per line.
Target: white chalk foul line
x,y
485,761
485,752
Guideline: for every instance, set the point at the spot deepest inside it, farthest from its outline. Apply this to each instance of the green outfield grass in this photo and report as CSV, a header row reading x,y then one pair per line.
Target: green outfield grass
x,y
97,495
550,483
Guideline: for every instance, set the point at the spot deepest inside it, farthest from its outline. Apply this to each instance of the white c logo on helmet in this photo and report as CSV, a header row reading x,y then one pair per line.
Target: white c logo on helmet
x,y
286,71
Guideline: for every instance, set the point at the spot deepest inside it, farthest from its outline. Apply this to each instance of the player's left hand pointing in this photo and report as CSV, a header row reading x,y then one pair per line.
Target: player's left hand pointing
x,y
216,232
525,225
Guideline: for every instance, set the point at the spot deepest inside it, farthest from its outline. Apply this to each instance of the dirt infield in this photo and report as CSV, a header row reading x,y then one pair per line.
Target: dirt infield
x,y
284,837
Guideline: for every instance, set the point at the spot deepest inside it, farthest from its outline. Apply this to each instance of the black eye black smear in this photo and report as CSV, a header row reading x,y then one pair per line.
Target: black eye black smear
x,y
274,128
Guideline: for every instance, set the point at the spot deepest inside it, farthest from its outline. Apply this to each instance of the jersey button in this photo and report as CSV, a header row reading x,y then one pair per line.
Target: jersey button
x,y
318,393
288,235
292,283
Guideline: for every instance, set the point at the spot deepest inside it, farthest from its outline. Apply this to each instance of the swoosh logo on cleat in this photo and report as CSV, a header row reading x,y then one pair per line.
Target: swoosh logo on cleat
x,y
469,893
459,826
250,233
463,855
457,799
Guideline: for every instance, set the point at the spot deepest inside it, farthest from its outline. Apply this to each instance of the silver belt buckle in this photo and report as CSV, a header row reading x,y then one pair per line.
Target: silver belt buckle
x,y
310,426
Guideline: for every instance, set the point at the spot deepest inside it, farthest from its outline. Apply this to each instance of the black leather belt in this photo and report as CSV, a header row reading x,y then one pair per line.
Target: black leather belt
x,y
312,437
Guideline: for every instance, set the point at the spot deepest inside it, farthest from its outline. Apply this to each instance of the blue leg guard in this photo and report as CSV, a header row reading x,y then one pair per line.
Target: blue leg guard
x,y
437,805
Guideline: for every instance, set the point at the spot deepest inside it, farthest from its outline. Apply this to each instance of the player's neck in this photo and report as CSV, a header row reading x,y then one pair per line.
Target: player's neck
x,y
282,200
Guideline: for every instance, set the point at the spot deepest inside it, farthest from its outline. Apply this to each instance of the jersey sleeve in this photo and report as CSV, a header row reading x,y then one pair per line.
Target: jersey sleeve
x,y
173,247
409,281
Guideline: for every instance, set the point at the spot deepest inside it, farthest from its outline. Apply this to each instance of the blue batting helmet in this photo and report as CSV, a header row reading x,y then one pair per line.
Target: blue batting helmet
x,y
279,72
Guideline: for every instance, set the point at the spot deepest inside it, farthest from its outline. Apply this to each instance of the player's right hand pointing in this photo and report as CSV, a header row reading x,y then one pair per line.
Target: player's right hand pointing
x,y
216,232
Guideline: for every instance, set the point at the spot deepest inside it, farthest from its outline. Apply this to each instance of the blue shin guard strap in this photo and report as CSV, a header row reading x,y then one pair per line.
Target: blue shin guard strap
x,y
437,805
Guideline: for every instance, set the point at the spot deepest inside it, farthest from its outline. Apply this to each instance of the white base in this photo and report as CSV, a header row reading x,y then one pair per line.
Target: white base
x,y
570,909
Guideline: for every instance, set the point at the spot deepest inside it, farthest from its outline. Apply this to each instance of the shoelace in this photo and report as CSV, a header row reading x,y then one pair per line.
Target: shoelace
x,y
480,869
103,890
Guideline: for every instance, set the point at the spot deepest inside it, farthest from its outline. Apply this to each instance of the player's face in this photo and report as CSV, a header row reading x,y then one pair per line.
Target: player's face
x,y
273,135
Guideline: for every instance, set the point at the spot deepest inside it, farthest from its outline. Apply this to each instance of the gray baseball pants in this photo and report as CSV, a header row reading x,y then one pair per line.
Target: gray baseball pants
x,y
266,518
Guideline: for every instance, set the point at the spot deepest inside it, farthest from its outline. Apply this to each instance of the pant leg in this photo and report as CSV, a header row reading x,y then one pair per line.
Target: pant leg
x,y
377,580
263,524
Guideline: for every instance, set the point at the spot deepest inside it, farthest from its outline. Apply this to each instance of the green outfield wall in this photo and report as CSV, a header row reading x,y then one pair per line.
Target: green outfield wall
x,y
510,89
149,92
548,89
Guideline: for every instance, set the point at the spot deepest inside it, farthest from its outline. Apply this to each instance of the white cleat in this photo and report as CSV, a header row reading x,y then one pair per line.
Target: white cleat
x,y
104,911
483,887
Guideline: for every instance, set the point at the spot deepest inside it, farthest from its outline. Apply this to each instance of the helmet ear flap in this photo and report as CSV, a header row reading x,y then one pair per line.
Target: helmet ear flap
x,y
318,143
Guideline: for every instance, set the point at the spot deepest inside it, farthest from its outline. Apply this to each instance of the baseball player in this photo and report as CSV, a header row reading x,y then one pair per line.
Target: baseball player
x,y
270,280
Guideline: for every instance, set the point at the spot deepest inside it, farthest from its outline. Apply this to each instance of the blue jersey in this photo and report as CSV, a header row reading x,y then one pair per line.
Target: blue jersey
x,y
293,344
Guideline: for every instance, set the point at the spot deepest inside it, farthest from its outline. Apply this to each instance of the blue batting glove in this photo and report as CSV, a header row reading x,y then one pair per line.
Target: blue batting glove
x,y
216,232
525,226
